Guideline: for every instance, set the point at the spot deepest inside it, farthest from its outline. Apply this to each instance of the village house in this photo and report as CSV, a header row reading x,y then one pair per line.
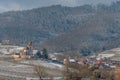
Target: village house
x,y
58,57
26,52
115,59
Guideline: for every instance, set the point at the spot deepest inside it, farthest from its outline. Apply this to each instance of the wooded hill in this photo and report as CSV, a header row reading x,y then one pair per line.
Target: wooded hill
x,y
85,29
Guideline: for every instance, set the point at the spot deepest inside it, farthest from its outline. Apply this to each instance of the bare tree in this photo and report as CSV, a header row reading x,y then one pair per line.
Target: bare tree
x,y
66,70
70,71
40,71
106,74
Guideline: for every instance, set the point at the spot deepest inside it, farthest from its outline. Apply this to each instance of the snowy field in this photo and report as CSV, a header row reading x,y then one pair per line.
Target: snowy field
x,y
24,69
43,63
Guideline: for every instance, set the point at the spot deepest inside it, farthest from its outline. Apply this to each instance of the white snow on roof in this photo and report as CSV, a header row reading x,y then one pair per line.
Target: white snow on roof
x,y
105,55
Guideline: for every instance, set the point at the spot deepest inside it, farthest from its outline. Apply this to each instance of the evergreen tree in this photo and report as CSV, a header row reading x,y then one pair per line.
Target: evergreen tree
x,y
45,54
39,54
